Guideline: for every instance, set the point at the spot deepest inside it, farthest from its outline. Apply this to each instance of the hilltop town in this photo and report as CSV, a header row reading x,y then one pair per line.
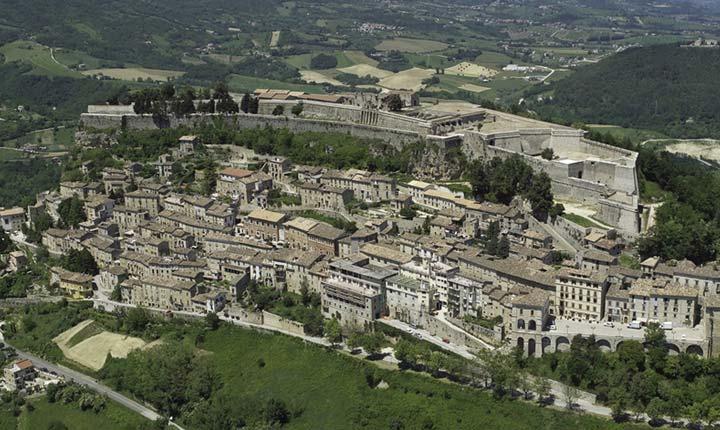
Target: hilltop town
x,y
475,273
436,259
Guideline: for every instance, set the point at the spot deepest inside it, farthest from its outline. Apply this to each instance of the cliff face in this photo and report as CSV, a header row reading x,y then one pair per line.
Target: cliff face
x,y
95,139
439,164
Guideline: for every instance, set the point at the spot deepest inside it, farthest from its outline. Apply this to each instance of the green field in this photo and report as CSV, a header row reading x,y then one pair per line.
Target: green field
x,y
59,140
331,391
37,55
240,83
403,44
580,220
114,417
636,135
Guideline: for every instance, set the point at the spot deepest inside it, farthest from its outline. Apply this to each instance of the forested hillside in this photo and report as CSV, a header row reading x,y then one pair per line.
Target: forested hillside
x,y
666,88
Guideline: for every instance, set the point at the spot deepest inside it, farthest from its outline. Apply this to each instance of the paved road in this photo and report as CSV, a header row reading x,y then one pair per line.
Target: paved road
x,y
80,378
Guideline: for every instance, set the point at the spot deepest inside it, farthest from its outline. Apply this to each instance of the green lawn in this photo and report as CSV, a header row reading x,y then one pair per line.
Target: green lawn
x,y
38,56
239,83
580,220
636,135
114,417
330,390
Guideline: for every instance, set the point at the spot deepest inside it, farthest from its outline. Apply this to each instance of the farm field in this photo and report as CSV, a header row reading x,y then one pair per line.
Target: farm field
x,y
89,345
313,77
474,88
114,417
403,44
366,69
135,73
410,79
36,55
703,149
274,39
470,70
59,140
240,83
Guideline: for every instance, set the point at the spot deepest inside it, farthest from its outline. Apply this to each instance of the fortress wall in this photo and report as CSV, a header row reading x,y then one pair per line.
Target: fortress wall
x,y
348,113
113,109
397,138
625,217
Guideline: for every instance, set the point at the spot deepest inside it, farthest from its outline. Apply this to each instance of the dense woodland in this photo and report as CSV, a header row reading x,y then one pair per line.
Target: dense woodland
x,y
665,87
20,181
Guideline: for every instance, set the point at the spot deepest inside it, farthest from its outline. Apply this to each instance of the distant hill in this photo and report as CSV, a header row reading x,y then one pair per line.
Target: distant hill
x,y
667,88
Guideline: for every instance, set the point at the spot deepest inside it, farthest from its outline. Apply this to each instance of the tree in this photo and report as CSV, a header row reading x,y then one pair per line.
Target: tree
x,y
5,242
503,248
276,412
540,196
372,343
80,261
323,61
408,213
245,103
212,321
394,103
479,179
278,110
525,383
137,320
254,105
72,211
333,331
116,294
570,395
297,109
557,210
655,410
542,388
655,342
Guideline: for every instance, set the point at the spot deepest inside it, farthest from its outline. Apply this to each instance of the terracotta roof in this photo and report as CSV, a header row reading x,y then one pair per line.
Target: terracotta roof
x,y
235,173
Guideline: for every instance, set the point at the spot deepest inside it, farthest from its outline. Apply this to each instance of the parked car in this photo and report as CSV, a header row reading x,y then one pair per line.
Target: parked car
x,y
608,324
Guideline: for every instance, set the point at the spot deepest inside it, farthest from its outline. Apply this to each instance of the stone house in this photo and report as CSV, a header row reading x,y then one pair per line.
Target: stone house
x,y
144,201
159,293
324,196
12,219
408,299
74,285
18,374
266,225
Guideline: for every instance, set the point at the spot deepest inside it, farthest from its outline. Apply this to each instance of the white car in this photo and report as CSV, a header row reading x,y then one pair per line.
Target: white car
x,y
553,328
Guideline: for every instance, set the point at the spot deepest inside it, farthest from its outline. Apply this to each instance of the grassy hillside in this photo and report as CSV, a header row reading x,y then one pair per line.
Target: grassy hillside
x,y
665,88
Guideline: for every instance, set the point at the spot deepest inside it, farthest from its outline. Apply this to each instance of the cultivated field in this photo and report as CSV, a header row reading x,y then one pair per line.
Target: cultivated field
x,y
471,70
366,69
403,44
37,55
407,79
89,345
274,39
314,77
359,57
705,149
474,88
133,73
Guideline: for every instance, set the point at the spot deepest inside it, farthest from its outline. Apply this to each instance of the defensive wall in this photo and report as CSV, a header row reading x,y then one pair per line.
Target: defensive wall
x,y
396,138
582,170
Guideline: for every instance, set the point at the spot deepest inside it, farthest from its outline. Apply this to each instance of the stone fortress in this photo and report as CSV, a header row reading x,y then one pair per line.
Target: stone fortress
x,y
592,174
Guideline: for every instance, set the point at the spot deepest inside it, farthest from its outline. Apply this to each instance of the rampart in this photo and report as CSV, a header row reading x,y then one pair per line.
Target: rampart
x,y
395,137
